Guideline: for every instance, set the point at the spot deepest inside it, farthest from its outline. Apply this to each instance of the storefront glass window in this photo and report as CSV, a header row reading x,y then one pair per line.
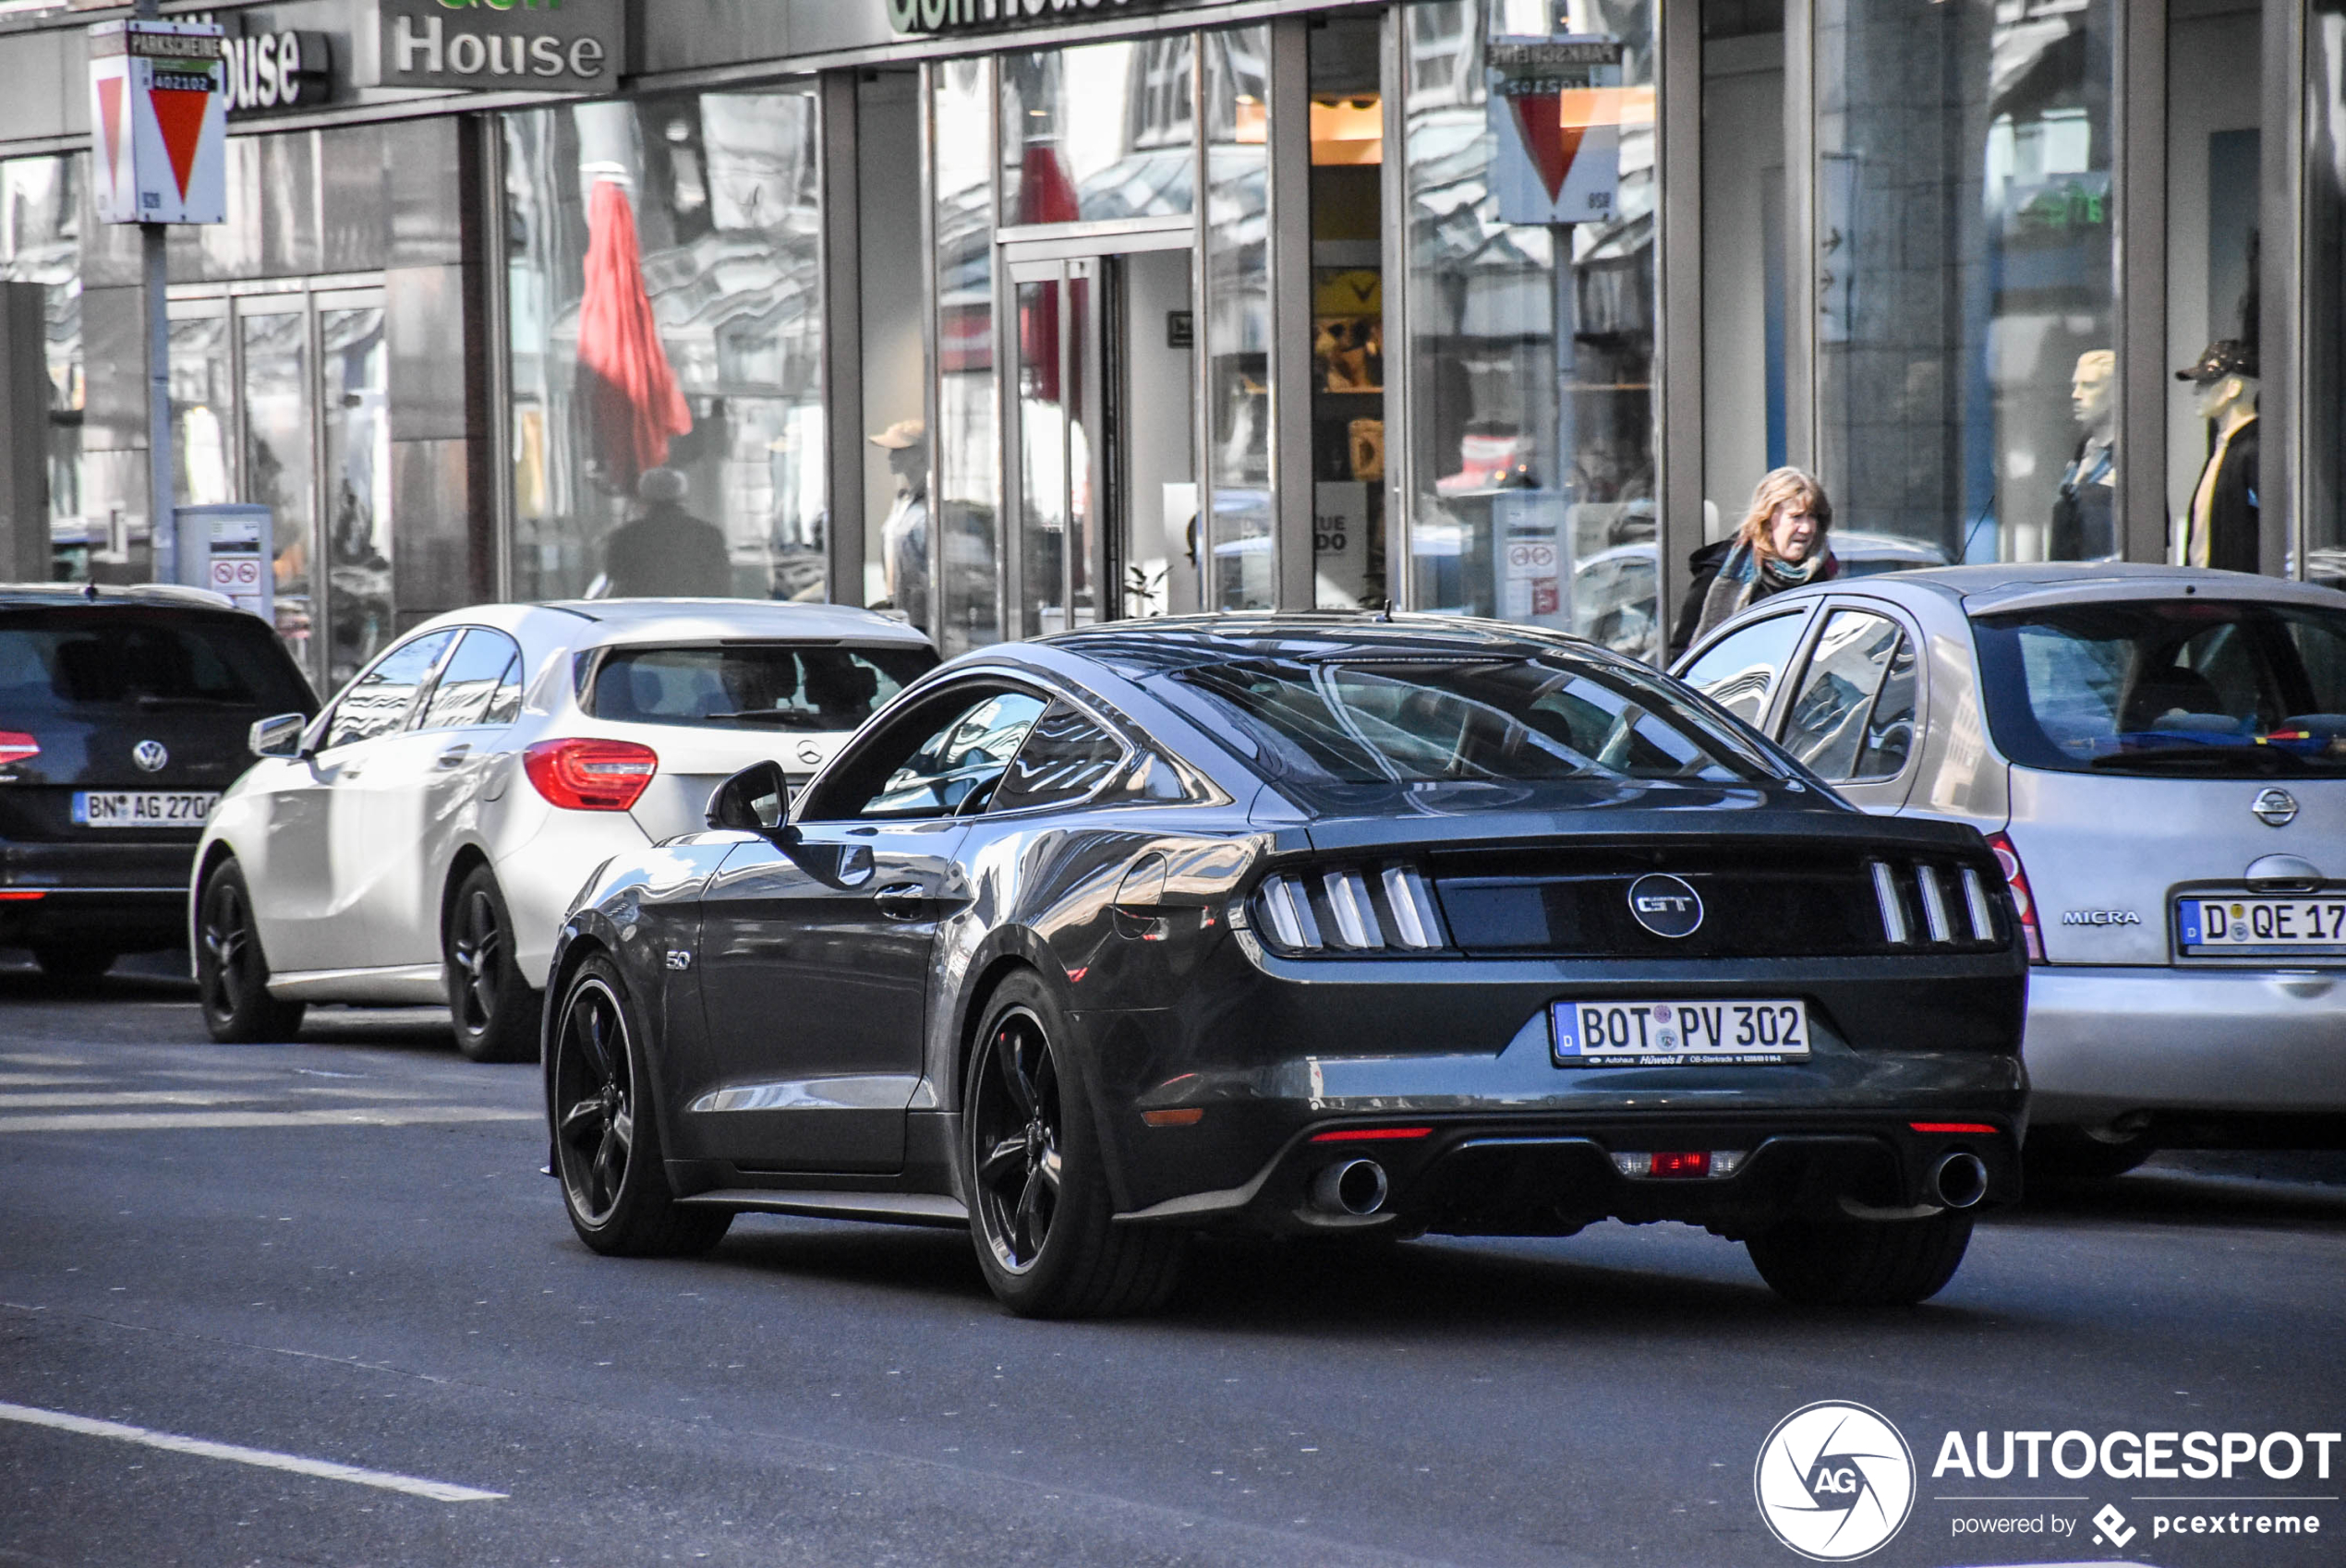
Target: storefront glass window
x,y
1237,319
1098,131
1347,314
41,243
277,461
1965,378
968,460
666,313
355,413
1529,210
2323,448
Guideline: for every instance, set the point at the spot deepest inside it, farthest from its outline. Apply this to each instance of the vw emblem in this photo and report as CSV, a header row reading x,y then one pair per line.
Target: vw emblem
x,y
2275,808
152,755
1834,1481
809,753
1665,905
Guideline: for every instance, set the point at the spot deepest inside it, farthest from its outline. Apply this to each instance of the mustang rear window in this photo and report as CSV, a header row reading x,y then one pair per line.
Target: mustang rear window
x,y
1502,720
2179,687
752,685
73,660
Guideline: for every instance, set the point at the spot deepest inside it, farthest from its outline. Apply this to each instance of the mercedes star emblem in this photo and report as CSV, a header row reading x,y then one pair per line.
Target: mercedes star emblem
x,y
809,753
152,755
2275,808
1665,905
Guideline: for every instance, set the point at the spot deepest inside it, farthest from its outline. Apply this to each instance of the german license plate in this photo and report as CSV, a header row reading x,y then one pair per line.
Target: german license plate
x,y
2245,925
1670,1033
142,808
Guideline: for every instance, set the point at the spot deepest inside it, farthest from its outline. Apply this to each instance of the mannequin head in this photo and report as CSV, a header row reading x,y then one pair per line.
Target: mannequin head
x,y
2093,389
2223,381
2229,397
906,443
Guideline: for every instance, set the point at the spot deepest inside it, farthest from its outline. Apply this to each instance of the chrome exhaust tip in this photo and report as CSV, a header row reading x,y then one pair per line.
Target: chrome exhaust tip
x,y
1959,1180
1350,1187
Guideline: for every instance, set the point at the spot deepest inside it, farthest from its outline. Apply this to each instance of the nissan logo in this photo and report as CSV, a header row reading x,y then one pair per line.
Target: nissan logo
x,y
2275,808
1665,905
151,757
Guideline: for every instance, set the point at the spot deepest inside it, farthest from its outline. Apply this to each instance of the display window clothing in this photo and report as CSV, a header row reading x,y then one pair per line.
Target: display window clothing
x,y
2221,530
2085,511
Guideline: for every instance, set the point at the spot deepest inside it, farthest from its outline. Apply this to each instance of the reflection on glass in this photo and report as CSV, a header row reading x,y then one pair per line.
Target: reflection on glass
x,y
1529,205
1082,397
1965,261
968,446
2325,274
1237,319
277,461
1099,131
1347,314
666,317
202,411
1043,460
354,412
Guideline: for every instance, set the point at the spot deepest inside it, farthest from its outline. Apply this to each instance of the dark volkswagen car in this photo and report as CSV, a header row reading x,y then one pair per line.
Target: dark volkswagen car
x,y
1295,924
123,713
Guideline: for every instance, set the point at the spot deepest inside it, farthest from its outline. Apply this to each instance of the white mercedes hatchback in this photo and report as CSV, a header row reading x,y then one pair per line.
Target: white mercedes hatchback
x,y
418,841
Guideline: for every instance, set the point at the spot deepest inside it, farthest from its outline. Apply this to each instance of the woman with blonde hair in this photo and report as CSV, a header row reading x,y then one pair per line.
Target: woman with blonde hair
x,y
1781,544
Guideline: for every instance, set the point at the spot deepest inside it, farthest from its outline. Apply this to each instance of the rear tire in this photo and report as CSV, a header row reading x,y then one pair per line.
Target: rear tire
x,y
606,1133
74,963
232,972
1861,1262
1040,1213
496,1012
2059,1157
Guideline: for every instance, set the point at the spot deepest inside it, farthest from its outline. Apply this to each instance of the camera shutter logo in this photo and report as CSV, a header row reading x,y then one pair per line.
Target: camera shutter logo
x,y
1834,1481
150,756
1665,905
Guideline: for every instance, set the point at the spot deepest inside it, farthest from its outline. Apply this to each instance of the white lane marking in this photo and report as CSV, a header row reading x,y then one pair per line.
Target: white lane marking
x,y
163,1121
42,1080
326,1469
53,1100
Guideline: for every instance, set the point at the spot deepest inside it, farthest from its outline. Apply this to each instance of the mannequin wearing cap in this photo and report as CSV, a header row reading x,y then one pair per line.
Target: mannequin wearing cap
x,y
2082,510
904,536
667,552
2221,529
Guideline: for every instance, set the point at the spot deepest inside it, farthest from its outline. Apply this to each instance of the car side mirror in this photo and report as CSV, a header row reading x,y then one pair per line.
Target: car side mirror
x,y
277,737
755,801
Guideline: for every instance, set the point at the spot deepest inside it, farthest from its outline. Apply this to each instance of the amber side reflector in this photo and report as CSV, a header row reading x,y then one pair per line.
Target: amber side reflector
x,y
1184,1115
1980,1129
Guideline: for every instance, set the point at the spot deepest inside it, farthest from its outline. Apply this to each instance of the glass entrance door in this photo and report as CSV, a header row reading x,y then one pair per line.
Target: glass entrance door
x,y
1102,438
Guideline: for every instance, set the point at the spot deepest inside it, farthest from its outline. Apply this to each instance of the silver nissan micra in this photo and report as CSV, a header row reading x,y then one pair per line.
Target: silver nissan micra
x,y
2158,756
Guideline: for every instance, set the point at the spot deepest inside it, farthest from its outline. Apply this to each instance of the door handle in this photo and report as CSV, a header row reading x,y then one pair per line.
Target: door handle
x,y
454,756
902,901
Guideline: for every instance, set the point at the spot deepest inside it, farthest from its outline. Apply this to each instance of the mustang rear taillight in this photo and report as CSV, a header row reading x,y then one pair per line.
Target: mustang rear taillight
x,y
2024,904
581,775
1934,905
1352,909
15,746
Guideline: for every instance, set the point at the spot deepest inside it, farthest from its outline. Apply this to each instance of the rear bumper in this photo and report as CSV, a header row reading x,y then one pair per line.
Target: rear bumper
x,y
2108,1042
126,896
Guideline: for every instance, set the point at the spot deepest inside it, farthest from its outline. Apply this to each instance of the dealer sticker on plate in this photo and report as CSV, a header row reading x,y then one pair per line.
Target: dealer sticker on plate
x,y
1670,1033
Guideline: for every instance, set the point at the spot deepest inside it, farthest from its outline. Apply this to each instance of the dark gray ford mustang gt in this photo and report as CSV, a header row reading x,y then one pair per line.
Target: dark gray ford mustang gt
x,y
1295,924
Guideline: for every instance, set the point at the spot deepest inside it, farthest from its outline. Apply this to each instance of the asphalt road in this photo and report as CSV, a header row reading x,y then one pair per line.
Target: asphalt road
x,y
341,1252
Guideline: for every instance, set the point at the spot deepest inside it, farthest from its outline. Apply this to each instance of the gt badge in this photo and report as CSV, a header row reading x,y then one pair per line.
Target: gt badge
x,y
1665,905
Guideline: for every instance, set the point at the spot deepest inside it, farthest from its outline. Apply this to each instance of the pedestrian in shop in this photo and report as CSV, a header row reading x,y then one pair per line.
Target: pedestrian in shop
x,y
904,536
1781,544
667,552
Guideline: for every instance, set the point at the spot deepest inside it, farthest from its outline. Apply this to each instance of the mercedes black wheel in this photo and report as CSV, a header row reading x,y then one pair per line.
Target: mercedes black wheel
x,y
1039,1207
496,1011
1861,1262
606,1137
232,972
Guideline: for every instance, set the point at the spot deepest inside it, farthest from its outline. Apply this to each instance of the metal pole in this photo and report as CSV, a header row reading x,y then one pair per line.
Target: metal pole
x,y
154,277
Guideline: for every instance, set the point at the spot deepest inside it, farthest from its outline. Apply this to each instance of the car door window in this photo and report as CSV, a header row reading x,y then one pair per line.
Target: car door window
x,y
1739,670
1854,715
934,768
481,685
1067,755
377,702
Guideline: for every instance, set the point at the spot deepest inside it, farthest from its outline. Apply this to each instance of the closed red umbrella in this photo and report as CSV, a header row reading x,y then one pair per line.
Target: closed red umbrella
x,y
631,403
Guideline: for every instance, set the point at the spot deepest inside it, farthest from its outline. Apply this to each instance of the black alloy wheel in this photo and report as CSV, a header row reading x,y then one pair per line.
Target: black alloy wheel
x,y
496,1011
606,1139
232,973
1040,1213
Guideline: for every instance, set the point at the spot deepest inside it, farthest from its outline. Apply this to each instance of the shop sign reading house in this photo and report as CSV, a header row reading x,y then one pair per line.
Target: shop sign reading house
x,y
500,45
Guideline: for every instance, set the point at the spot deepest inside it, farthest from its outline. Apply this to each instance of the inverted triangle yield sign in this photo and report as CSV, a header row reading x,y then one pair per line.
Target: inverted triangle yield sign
x,y
179,117
110,121
1553,144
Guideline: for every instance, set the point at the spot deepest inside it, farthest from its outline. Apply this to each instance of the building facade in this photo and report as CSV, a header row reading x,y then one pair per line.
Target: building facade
x,y
1012,315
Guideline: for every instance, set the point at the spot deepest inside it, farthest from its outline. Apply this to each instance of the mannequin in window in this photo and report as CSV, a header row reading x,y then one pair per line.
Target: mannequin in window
x,y
2082,513
904,536
2220,528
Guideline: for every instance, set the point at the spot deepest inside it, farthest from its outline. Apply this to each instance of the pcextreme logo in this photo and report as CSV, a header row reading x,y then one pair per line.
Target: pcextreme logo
x,y
1834,1481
